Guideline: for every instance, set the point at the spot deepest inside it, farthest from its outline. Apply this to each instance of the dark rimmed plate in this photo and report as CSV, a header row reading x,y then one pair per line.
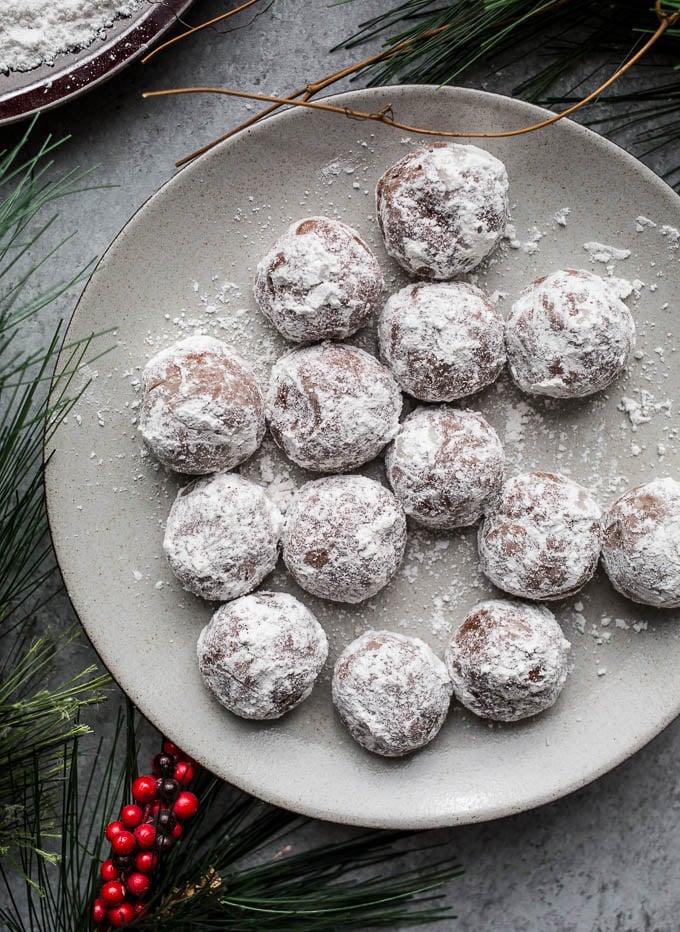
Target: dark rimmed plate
x,y
25,93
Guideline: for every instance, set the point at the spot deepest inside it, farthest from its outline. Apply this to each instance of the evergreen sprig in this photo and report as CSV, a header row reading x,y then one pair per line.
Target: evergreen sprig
x,y
451,39
37,718
225,874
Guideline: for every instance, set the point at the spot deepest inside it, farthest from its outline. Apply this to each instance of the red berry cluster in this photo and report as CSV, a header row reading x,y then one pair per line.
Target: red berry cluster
x,y
145,829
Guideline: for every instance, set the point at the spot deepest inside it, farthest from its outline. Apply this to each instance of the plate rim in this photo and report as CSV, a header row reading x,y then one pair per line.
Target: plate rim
x,y
303,807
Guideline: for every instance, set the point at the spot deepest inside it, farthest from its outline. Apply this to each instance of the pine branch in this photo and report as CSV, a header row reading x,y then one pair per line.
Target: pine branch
x,y
25,411
448,40
37,720
210,880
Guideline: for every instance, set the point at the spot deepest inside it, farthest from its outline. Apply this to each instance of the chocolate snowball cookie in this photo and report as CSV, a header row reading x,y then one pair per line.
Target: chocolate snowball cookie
x,y
222,536
568,335
344,537
508,661
444,465
202,409
641,546
332,407
442,209
541,536
391,692
442,341
319,281
261,654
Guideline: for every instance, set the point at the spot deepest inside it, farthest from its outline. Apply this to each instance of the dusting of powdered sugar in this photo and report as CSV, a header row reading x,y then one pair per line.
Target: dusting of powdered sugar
x,y
641,546
560,216
643,408
530,245
222,536
568,335
319,281
508,661
35,32
444,465
540,538
344,537
442,209
202,409
442,341
332,407
392,693
601,252
261,654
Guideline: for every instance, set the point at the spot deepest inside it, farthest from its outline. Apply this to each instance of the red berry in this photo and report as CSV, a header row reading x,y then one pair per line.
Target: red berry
x,y
176,832
144,788
186,805
138,884
140,910
146,861
123,843
131,816
184,773
121,915
145,835
113,893
113,829
170,748
109,872
99,911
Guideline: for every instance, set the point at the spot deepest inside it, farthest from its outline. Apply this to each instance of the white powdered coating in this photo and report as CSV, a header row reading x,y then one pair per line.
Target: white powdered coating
x,y
202,409
602,252
442,209
391,692
261,654
568,335
442,341
344,537
641,546
508,661
332,407
34,32
222,536
319,281
541,537
444,465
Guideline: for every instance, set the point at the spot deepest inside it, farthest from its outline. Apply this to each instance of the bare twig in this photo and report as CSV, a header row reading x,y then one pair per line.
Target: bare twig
x,y
193,29
385,115
309,91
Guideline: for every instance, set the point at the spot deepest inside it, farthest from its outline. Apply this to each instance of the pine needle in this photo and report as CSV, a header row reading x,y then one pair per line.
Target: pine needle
x,y
453,36
39,718
222,875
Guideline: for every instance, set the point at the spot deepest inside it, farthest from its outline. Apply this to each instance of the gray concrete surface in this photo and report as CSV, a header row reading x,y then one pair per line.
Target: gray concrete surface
x,y
604,859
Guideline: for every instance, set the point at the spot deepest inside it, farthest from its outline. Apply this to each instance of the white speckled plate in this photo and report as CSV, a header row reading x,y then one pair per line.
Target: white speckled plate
x,y
185,262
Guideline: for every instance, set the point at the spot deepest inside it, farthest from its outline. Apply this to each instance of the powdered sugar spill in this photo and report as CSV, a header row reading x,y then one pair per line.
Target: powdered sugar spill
x,y
601,252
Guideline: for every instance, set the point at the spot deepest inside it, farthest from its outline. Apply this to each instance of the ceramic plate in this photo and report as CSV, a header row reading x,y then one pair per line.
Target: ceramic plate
x,y
23,93
184,264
